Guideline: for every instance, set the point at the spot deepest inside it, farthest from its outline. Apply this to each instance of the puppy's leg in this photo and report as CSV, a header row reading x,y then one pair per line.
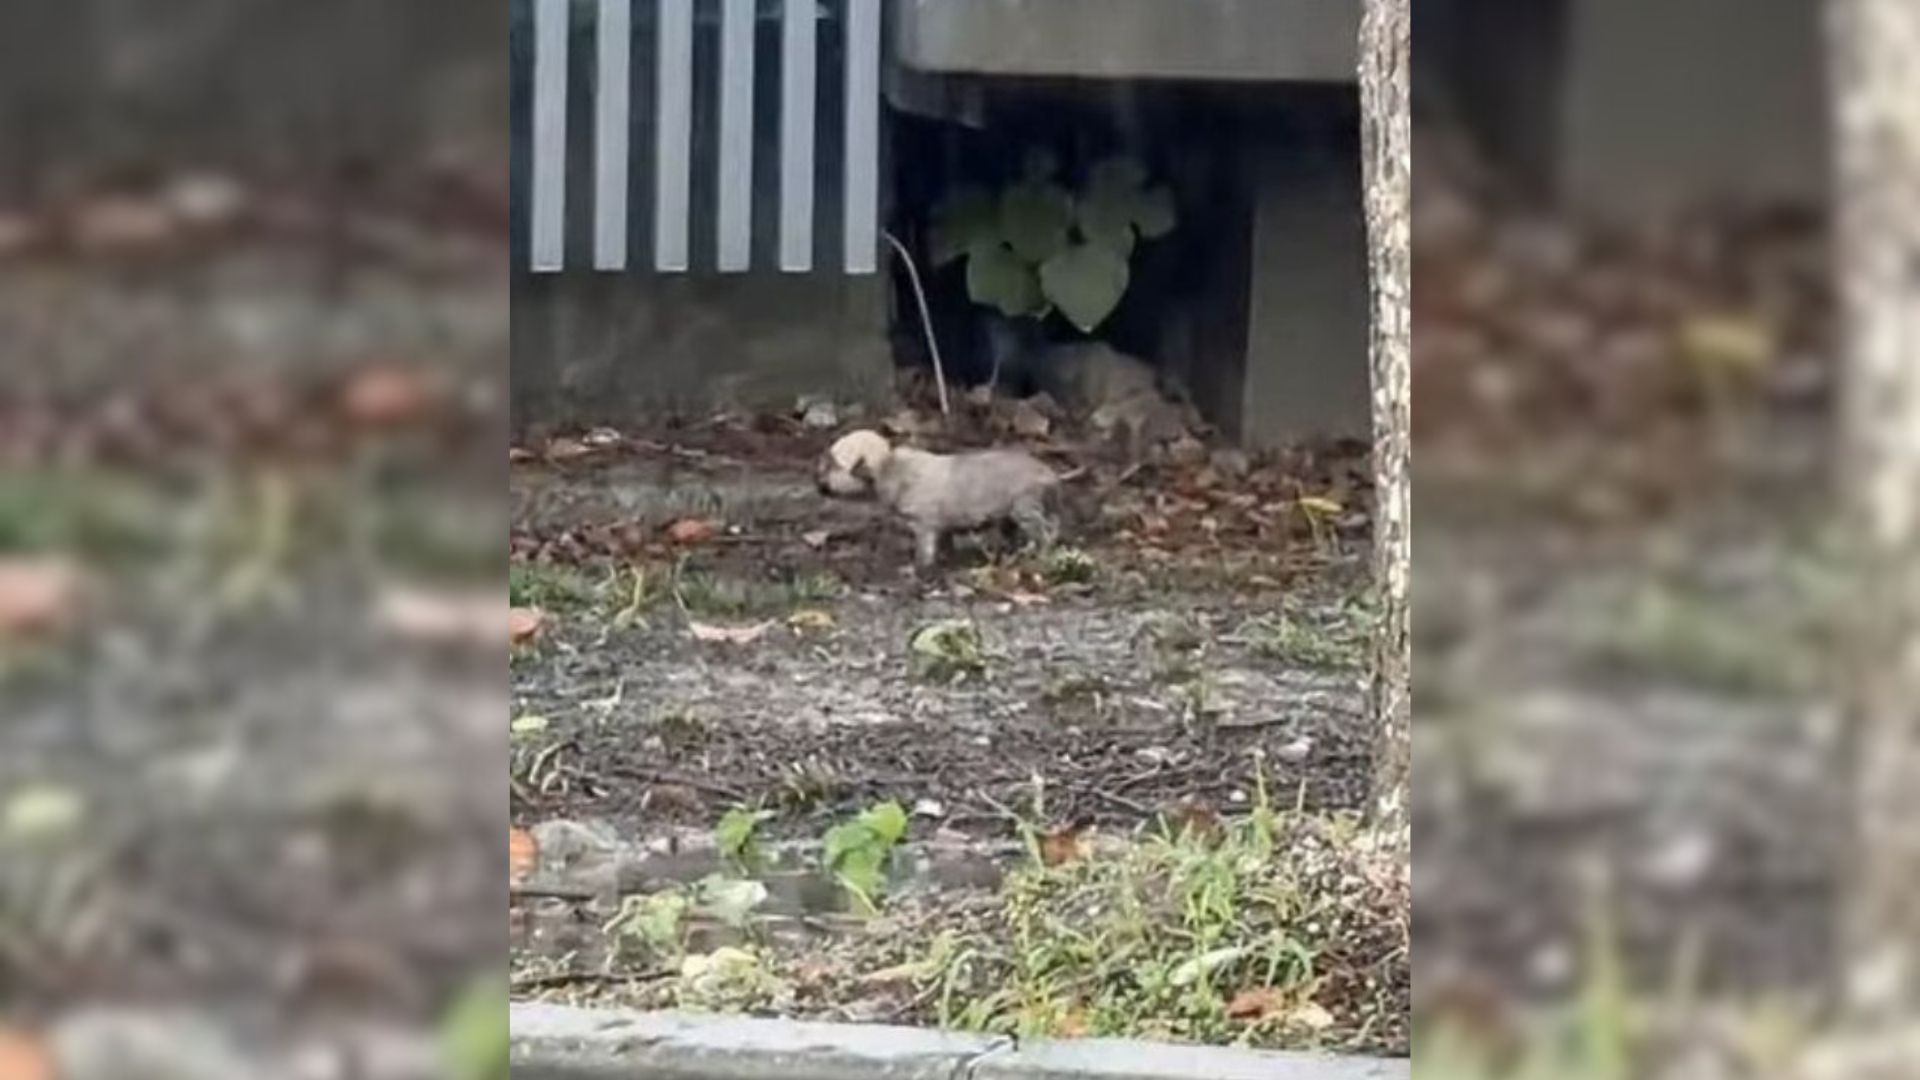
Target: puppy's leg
x,y
1034,523
926,545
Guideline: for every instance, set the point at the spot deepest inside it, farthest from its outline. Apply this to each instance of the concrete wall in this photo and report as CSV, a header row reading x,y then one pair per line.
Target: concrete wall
x,y
598,348
1215,40
1306,366
90,85
1629,106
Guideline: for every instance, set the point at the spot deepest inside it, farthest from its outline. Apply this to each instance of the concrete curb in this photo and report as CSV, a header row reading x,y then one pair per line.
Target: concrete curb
x,y
556,1042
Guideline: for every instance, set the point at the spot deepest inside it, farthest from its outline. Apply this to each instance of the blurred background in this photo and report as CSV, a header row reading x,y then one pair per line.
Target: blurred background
x,y
253,338
1630,802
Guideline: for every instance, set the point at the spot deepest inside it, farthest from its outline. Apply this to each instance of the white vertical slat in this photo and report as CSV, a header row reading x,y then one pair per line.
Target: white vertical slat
x,y
673,135
863,136
734,179
547,225
798,74
611,104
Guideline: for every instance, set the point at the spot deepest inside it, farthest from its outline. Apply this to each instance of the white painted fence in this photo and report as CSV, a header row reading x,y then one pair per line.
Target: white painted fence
x,y
668,70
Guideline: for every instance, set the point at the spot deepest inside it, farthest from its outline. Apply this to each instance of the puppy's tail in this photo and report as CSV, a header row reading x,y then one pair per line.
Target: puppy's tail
x,y
1071,475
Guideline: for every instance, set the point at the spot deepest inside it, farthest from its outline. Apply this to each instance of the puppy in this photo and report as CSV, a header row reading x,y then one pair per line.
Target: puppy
x,y
939,493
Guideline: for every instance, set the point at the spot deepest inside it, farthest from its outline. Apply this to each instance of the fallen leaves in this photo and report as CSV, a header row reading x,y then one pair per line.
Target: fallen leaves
x,y
524,624
440,618
729,635
41,597
688,532
40,812
1068,845
24,1056
386,398
523,854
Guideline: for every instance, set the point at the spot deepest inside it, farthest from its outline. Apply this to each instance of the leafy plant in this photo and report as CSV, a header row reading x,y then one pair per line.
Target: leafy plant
x,y
856,852
947,650
737,835
657,922
1038,246
474,1032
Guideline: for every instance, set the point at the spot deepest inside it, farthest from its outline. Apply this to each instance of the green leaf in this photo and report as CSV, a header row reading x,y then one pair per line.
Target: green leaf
x,y
888,821
1034,219
965,219
1106,218
734,835
1117,173
1002,280
1040,163
656,919
1205,964
475,1034
1085,282
1154,213
732,900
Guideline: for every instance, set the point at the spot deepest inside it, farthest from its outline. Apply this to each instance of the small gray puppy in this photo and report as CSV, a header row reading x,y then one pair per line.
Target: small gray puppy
x,y
940,493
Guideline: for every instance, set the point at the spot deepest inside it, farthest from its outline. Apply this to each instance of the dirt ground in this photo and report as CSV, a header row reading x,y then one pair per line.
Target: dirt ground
x,y
1629,588
1190,646
243,805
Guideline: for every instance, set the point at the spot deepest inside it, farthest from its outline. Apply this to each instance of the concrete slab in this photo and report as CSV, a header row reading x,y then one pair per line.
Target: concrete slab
x,y
1215,40
556,1042
553,1042
1102,1059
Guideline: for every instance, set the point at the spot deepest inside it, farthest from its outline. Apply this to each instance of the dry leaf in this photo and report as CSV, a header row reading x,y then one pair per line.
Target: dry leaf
x,y
24,1056
729,635
1310,1015
523,624
518,454
565,449
1064,846
117,224
691,531
1073,1024
816,539
603,437
386,397
40,597
441,618
523,854
1257,1003
811,619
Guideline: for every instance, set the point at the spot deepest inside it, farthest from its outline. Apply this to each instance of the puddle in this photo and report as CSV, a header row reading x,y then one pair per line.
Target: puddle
x,y
565,905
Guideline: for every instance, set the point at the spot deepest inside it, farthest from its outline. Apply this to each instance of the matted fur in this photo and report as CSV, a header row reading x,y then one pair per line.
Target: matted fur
x,y
940,493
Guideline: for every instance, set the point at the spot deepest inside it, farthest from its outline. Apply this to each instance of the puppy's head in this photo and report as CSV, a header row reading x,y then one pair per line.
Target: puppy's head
x,y
849,466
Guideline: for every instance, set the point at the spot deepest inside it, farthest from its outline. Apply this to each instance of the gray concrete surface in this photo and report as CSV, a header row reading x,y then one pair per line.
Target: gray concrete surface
x,y
606,348
553,1042
1622,107
1306,369
1219,40
105,84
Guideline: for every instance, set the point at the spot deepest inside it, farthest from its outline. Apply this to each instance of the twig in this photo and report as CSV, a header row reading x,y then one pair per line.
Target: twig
x,y
926,321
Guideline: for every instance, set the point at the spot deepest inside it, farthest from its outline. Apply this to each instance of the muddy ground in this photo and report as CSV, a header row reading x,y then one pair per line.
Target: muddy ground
x,y
248,814
1191,642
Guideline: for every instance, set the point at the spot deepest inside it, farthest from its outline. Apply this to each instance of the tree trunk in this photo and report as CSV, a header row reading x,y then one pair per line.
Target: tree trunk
x,y
1386,167
1874,62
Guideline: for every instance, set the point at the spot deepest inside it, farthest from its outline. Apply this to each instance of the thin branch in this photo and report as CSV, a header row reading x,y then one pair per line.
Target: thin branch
x,y
926,320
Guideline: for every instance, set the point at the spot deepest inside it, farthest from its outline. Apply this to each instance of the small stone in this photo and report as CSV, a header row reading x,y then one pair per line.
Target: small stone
x,y
117,1044
1029,422
820,415
1228,461
1186,450
206,198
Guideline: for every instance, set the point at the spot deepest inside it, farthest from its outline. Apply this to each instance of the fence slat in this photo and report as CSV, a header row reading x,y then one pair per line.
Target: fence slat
x,y
863,136
547,227
612,101
735,175
799,67
673,135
